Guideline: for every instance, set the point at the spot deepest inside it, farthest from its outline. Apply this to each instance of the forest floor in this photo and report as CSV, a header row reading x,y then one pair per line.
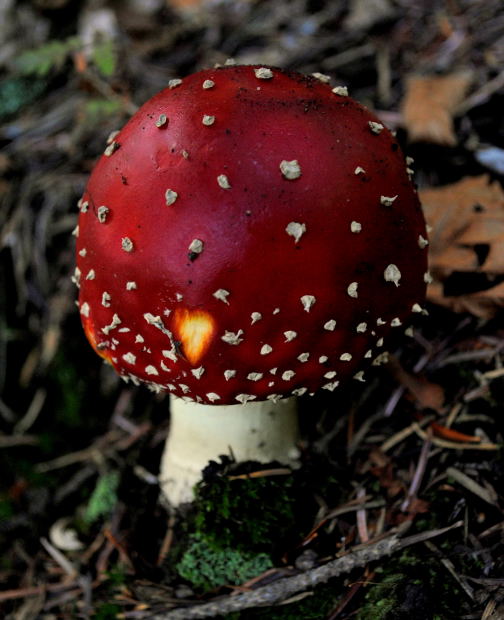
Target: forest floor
x,y
397,509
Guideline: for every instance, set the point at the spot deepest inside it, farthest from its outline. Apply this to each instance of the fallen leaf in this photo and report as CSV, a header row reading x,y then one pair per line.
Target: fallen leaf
x,y
452,435
466,252
429,395
429,105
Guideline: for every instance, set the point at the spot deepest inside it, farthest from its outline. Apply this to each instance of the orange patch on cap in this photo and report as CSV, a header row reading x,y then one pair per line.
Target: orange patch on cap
x,y
194,329
90,335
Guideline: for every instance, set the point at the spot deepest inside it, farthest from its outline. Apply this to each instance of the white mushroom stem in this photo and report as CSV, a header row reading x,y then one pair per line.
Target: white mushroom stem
x,y
256,431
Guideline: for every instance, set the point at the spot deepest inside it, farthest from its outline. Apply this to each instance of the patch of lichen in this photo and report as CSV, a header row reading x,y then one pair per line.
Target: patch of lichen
x,y
207,566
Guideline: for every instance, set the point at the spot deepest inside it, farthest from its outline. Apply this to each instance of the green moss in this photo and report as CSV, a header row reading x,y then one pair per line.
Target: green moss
x,y
103,499
207,567
107,611
245,513
411,587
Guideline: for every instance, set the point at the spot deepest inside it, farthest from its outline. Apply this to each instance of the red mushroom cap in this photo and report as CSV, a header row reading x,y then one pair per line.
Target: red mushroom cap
x,y
249,234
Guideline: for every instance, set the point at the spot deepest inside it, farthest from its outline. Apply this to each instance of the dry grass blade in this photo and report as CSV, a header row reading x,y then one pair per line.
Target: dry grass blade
x,y
487,494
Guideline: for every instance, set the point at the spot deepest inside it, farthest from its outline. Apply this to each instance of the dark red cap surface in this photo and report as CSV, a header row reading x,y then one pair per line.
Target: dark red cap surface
x,y
249,234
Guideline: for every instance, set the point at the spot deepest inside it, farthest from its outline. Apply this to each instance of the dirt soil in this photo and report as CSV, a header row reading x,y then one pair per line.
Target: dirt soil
x,y
397,509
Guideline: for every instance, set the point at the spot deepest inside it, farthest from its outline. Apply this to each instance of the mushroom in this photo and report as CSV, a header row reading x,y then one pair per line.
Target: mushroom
x,y
252,236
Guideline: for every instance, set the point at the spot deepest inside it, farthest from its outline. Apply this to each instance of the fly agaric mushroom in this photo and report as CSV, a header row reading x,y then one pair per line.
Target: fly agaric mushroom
x,y
251,235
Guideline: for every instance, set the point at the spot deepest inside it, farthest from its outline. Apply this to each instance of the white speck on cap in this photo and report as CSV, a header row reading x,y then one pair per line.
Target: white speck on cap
x,y
196,246
84,309
273,371
359,170
105,300
276,311
352,289
290,169
197,372
75,231
376,128
331,386
427,278
323,359
388,201
330,375
263,73
223,181
232,337
392,274
274,397
76,277
222,295
299,391
184,388
229,374
255,376
174,82
379,342
342,91
162,120
139,338
129,357
289,335
255,316
127,244
113,135
345,357
396,322
83,252
380,321
416,308
368,354
244,398
296,230
102,213
91,274
303,357
266,349
170,197
164,366
355,227
330,326
131,286
361,328
381,359
359,376
308,301
287,375
422,242
206,85
111,148
208,120
151,370
322,77
115,322
212,396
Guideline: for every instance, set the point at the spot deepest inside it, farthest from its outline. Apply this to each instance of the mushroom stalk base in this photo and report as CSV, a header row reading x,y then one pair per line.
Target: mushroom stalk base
x,y
261,431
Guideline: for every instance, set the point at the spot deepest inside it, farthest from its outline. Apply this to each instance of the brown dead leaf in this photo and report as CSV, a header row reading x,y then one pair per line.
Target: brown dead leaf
x,y
429,105
467,237
427,394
